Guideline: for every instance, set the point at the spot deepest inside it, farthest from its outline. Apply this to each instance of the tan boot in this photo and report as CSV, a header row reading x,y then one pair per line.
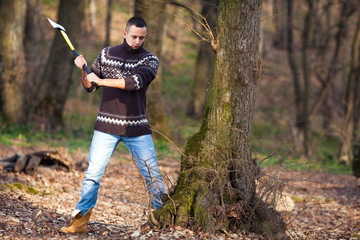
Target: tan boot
x,y
79,224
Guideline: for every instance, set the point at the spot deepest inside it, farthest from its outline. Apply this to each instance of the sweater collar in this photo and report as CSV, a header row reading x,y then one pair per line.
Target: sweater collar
x,y
127,47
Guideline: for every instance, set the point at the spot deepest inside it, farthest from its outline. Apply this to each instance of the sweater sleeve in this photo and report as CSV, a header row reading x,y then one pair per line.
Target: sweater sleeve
x,y
144,73
96,65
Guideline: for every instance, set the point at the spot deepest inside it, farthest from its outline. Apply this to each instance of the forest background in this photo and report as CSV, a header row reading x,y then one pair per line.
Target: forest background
x,y
306,98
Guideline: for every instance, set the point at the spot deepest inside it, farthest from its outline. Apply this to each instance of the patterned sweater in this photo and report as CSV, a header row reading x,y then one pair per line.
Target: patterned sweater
x,y
123,112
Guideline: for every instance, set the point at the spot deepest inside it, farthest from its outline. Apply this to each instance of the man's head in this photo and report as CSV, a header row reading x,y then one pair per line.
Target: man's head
x,y
135,32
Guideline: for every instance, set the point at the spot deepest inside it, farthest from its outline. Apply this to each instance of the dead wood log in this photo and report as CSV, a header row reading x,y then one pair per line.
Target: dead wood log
x,y
29,162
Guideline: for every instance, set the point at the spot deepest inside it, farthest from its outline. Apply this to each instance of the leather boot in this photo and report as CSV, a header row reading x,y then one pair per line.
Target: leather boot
x,y
79,224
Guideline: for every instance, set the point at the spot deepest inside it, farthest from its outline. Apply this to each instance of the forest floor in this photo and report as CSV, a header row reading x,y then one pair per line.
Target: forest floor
x,y
36,206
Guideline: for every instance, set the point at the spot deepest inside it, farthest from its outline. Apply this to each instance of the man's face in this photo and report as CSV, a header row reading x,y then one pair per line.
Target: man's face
x,y
135,36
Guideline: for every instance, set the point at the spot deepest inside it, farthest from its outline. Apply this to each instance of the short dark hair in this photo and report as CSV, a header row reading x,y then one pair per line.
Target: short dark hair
x,y
137,21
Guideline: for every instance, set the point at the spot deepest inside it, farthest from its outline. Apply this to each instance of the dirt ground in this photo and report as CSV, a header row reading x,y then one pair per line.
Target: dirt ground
x,y
36,206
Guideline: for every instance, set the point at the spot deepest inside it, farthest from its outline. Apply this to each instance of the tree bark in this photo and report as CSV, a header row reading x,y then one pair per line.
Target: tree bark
x,y
217,172
204,62
56,79
12,60
154,13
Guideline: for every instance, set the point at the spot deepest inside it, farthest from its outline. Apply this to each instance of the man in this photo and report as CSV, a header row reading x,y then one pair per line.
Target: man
x,y
124,72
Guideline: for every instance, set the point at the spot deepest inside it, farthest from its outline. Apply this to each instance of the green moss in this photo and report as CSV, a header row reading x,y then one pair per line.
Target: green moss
x,y
24,188
193,146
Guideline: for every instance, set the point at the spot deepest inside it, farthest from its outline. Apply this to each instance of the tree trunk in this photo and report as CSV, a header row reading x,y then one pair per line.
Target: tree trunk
x,y
332,68
306,39
217,173
36,51
108,23
351,92
93,20
178,38
279,20
12,60
154,13
56,79
298,134
204,62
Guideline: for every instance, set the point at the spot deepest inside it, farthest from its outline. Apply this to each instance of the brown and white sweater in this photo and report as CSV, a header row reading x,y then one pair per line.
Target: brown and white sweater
x,y
123,112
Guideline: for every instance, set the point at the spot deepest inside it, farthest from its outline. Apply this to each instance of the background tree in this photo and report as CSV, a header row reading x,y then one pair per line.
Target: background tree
x,y
321,44
154,13
56,80
306,38
108,22
217,170
296,133
12,60
332,68
352,100
204,62
279,23
92,17
36,51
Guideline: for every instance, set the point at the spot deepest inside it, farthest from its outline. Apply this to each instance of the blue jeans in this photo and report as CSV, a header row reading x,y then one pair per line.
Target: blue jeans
x,y
102,147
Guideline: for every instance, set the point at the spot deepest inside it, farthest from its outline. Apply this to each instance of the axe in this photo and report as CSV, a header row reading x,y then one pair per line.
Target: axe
x,y
62,31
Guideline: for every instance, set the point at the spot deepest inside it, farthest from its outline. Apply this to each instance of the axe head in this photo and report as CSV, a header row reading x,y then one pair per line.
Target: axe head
x,y
56,26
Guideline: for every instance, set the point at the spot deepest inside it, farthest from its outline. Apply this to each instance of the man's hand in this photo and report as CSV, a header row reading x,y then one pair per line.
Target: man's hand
x,y
80,61
93,78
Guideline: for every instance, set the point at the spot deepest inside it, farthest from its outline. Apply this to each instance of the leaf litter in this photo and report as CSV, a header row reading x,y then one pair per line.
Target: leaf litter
x,y
326,206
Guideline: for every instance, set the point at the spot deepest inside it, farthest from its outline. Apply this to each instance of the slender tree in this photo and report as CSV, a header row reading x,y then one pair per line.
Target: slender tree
x,y
279,22
204,62
12,60
350,120
154,13
306,38
108,22
92,17
217,171
297,134
56,79
332,68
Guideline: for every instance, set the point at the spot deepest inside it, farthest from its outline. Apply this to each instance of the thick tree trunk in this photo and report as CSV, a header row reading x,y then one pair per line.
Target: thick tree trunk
x,y
12,60
36,51
154,13
217,173
204,62
56,79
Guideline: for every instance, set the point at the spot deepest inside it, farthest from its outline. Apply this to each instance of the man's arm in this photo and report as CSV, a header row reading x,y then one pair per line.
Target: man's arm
x,y
116,83
79,62
87,79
